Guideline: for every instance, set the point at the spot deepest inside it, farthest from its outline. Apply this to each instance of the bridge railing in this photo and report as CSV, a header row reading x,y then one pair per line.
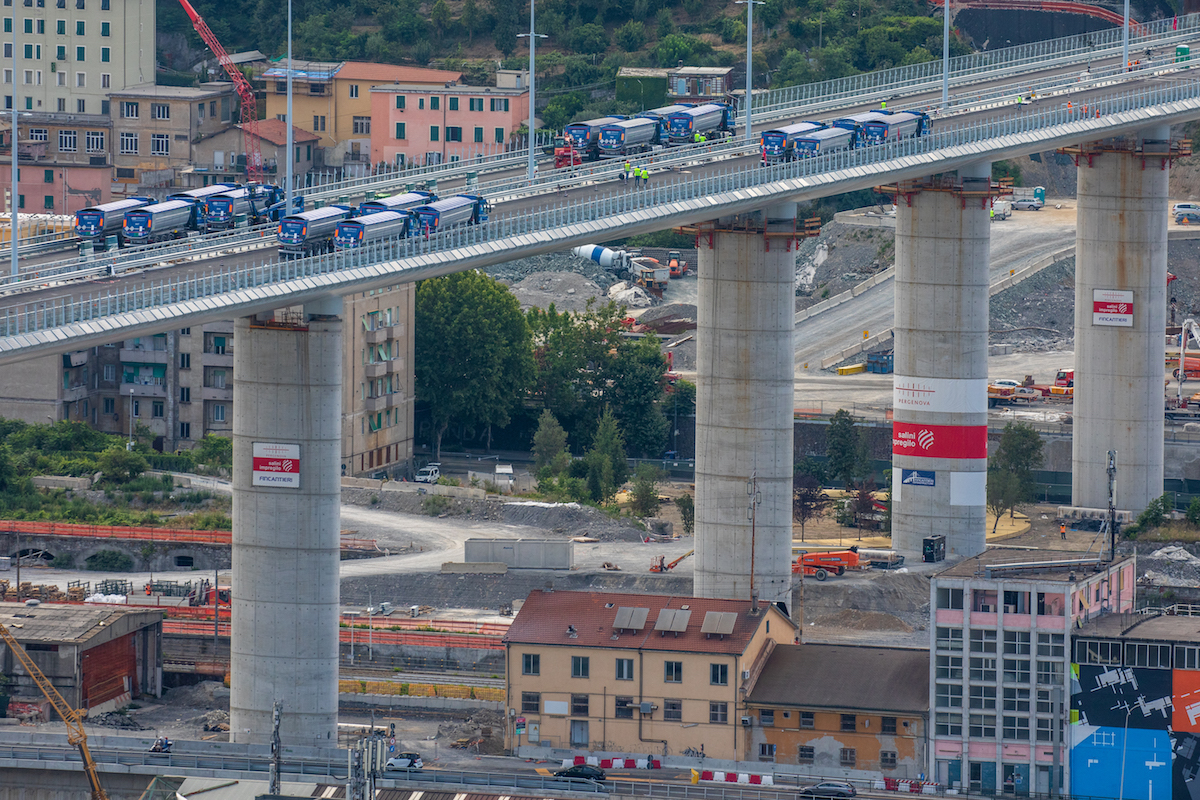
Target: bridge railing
x,y
665,199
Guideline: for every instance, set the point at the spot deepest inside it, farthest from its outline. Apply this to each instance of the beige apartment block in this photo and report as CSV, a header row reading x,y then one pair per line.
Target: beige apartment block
x,y
633,673
155,127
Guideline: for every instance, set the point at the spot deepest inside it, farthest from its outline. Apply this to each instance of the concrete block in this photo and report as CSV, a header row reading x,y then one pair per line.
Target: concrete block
x,y
61,482
362,483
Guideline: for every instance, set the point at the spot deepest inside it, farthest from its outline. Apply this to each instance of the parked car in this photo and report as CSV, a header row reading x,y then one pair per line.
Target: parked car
x,y
1027,204
581,771
828,789
1190,217
429,473
405,761
1179,208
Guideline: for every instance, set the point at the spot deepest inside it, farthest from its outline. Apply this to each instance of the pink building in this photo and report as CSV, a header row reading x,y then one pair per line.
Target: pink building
x,y
424,125
60,168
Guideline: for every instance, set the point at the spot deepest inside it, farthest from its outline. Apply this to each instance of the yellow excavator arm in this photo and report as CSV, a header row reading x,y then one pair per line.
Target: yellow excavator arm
x,y
70,716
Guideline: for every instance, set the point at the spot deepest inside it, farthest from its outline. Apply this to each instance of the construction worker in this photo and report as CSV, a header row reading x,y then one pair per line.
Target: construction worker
x,y
625,175
637,177
697,138
883,105
992,214
1062,530
645,176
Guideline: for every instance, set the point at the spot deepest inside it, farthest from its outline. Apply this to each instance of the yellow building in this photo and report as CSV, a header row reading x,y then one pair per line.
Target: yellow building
x,y
632,673
333,101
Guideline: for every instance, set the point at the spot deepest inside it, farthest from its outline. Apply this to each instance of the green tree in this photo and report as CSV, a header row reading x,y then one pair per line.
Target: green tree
x,y
1010,469
687,512
588,39
440,16
664,23
645,490
808,500
1193,512
550,443
470,19
120,465
474,362
608,467
214,451
845,457
1003,494
631,36
636,380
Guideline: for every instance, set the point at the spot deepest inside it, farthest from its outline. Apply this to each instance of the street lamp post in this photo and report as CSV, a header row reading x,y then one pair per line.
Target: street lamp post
x,y
287,208
12,203
1124,40
945,53
749,4
353,615
129,444
532,36
1124,748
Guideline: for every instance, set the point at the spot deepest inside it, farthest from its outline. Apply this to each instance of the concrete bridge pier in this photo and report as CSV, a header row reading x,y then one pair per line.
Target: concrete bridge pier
x,y
939,431
286,525
744,406
1120,318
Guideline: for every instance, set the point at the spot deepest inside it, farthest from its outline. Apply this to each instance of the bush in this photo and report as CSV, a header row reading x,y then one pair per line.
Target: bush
x,y
120,465
63,561
645,490
687,510
1193,512
435,505
109,561
588,39
631,36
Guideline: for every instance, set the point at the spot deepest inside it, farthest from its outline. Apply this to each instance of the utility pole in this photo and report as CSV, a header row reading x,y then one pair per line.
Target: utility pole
x,y
752,513
1112,501
533,37
276,750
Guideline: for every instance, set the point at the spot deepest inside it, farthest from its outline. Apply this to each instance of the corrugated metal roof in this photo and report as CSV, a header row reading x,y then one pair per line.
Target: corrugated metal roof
x,y
71,624
838,676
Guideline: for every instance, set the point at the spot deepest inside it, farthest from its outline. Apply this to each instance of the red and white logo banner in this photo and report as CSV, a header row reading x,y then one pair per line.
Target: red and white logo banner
x,y
1112,307
939,441
276,465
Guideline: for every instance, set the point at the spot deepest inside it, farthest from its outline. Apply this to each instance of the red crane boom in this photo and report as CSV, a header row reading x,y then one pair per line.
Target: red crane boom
x,y
254,165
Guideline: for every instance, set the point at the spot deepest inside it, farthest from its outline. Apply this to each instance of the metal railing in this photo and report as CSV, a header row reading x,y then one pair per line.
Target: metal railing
x,y
666,202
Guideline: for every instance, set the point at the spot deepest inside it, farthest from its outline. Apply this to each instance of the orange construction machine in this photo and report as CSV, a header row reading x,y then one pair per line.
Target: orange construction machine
x,y
822,565
660,563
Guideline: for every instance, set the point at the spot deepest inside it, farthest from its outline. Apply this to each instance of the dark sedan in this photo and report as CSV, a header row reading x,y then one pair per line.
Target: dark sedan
x,y
581,771
835,789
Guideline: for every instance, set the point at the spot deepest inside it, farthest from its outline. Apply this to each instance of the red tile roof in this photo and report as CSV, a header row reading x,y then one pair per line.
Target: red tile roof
x,y
546,616
275,132
392,73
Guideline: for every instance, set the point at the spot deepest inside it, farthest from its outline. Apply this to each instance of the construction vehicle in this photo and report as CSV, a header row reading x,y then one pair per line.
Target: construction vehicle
x,y
254,162
821,565
70,716
660,563
567,156
628,265
676,264
1191,363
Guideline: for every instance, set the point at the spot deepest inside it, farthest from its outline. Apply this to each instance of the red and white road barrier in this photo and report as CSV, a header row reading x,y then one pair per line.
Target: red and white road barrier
x,y
717,776
613,763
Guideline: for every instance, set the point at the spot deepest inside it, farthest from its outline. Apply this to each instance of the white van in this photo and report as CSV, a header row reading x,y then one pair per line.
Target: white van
x,y
1001,209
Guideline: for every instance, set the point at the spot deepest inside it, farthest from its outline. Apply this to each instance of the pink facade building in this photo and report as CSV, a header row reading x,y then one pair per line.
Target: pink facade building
x,y
423,125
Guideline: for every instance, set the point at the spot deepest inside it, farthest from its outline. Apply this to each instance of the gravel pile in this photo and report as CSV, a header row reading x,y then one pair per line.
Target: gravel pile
x,y
207,695
1173,565
513,272
1038,313
116,720
567,291
840,258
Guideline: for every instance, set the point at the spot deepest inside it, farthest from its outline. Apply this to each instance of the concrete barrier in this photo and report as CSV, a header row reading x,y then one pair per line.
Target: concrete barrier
x,y
180,481
521,553
484,568
461,492
61,482
401,701
361,483
842,297
864,220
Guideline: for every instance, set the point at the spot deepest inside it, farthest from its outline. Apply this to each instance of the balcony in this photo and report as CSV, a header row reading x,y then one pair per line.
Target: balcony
x,y
143,355
381,369
382,403
379,335
223,393
218,359
75,393
144,387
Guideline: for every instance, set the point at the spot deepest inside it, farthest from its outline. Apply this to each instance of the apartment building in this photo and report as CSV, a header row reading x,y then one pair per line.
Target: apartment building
x,y
221,157
155,127
333,101
62,162
423,125
634,673
1000,677
842,710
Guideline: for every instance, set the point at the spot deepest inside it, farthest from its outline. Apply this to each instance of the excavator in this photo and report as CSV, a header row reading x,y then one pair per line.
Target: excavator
x,y
660,563
70,716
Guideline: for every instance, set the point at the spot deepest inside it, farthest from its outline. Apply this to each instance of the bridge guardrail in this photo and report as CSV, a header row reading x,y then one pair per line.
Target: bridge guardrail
x,y
628,209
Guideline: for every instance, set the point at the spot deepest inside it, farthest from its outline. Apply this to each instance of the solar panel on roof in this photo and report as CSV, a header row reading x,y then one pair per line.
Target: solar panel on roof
x,y
680,623
638,621
630,618
728,620
624,614
712,620
666,618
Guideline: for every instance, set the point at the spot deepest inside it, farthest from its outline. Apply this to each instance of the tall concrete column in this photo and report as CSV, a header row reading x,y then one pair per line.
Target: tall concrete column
x,y
1120,260
286,492
745,387
939,432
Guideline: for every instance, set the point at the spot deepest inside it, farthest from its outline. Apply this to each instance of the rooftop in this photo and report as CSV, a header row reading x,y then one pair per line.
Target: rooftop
x,y
72,624
457,88
831,676
652,621
1161,628
152,90
393,73
1046,565
304,70
641,72
700,71
275,132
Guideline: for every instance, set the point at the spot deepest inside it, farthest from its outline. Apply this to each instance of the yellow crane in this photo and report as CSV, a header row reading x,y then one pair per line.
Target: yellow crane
x,y
70,716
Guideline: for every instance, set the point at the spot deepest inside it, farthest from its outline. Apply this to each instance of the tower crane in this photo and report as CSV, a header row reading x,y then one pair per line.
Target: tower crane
x,y
254,163
70,716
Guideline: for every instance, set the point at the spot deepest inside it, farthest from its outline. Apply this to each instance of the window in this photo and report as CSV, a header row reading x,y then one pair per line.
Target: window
x,y
805,754
531,664
499,104
400,102
983,726
185,361
983,697
110,372
67,141
129,110
137,408
104,54
673,671
948,724
434,104
848,757
888,724
433,133
531,702
48,176
81,54
1016,643
185,394
766,717
849,722
219,412
158,408
579,705
949,639
160,144
949,695
60,27
983,669
624,708
110,405
478,135
950,598
362,125
718,674
887,759
807,719
1016,699
129,143
94,141
453,133
160,111
766,752
104,29
950,667
579,666
718,713
453,104
1093,652
8,24
1187,657
1154,656
400,131
1016,670
1016,728
1049,673
81,106
8,50
60,54
983,641
354,90
673,710
318,124
185,430
624,669
1045,705
1050,644
499,135
28,25
475,103
28,77
80,28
